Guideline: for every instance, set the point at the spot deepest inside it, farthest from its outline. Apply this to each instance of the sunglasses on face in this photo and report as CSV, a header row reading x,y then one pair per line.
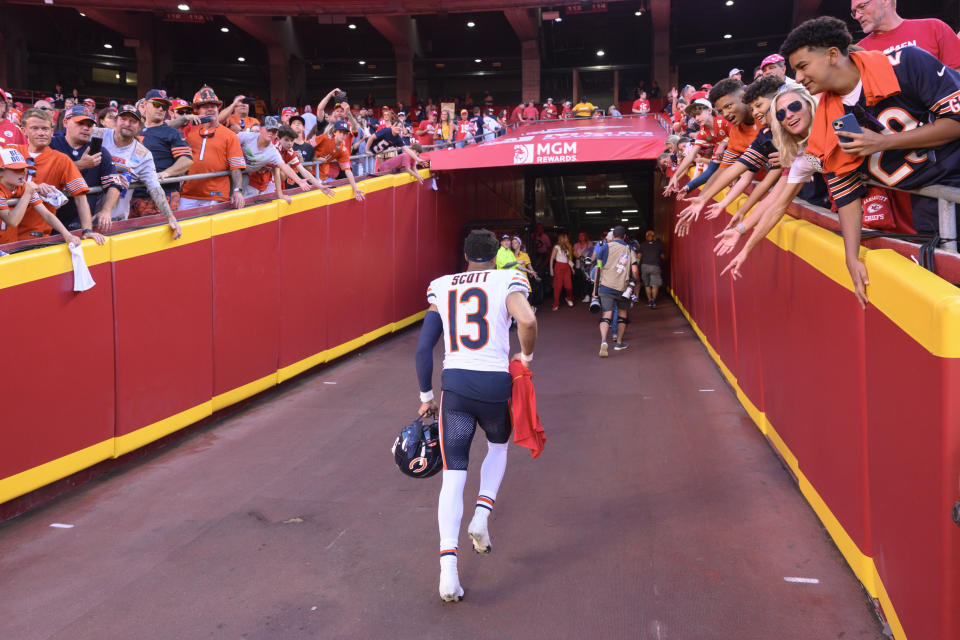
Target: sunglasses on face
x,y
158,105
794,107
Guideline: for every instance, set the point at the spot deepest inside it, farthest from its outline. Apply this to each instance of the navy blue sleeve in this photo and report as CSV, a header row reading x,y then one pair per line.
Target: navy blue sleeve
x,y
430,332
108,172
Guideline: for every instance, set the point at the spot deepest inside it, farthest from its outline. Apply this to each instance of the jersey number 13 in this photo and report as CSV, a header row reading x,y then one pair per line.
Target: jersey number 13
x,y
476,317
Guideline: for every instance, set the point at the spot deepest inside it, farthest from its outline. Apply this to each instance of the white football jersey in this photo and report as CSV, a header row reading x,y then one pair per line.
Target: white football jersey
x,y
476,323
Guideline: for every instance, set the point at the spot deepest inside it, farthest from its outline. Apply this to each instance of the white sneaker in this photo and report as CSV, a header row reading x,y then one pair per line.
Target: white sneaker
x,y
586,298
479,534
603,350
569,303
450,589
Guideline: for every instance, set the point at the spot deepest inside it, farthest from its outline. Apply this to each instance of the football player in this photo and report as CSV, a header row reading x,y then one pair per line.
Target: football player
x,y
471,311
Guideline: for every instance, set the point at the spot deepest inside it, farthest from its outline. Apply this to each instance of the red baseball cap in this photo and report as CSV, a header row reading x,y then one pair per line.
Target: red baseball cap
x,y
179,103
773,58
12,159
289,111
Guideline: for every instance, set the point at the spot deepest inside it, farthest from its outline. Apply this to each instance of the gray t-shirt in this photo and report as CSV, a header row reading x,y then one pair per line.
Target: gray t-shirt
x,y
650,252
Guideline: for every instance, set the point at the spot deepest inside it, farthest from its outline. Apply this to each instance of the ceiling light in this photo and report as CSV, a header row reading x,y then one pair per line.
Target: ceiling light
x,y
471,24
241,59
558,19
183,6
83,15
618,186
351,26
477,60
638,12
727,36
600,53
108,46
581,186
624,219
118,76
729,3
593,213
629,211
633,228
224,30
363,62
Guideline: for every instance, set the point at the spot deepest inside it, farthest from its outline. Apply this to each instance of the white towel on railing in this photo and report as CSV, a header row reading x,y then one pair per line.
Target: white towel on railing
x,y
82,280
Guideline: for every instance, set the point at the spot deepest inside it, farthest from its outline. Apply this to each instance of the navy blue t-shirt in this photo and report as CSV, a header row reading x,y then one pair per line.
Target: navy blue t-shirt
x,y
755,157
928,90
384,140
104,175
166,145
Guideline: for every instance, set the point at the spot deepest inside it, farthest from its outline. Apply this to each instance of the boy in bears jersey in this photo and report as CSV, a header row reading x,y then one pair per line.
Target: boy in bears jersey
x,y
914,97
471,311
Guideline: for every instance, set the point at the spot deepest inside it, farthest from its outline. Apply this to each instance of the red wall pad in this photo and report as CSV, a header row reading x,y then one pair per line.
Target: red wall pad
x,y
862,405
246,324
58,390
164,331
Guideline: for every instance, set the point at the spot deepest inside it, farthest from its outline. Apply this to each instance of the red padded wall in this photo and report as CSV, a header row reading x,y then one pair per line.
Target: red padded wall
x,y
303,285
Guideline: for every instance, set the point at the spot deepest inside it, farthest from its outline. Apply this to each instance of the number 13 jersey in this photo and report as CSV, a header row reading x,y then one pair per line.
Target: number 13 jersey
x,y
476,329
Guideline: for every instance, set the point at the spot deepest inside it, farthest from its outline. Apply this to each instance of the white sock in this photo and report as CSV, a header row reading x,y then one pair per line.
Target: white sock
x,y
450,509
491,475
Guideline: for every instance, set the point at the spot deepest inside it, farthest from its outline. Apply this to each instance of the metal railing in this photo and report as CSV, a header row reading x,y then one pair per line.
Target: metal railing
x,y
947,199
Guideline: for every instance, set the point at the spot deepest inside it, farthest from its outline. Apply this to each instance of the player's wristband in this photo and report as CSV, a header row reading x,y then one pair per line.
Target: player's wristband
x,y
740,228
426,396
526,358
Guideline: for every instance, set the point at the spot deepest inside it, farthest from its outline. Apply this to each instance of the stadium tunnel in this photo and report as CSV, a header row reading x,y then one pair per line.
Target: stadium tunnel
x,y
178,330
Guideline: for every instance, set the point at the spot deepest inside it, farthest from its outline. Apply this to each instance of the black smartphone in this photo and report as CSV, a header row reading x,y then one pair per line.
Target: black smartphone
x,y
768,148
206,119
95,145
847,123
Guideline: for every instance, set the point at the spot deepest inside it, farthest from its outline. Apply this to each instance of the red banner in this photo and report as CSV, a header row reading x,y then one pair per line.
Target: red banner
x,y
561,141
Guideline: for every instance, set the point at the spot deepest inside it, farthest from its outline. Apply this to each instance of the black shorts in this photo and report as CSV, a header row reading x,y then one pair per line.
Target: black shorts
x,y
459,417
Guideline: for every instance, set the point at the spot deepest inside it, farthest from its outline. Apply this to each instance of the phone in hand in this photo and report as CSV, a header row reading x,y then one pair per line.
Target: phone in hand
x,y
95,145
768,148
206,119
847,123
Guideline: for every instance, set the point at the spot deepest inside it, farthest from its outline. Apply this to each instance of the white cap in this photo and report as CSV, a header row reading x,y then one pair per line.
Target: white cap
x,y
734,71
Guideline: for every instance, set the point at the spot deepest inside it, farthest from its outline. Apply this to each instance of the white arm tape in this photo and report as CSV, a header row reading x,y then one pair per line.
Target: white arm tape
x,y
426,396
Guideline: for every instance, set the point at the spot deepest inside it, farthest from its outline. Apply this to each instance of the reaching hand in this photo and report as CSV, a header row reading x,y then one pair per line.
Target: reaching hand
x,y
713,211
858,273
685,219
735,264
102,220
236,198
728,241
99,239
358,194
175,227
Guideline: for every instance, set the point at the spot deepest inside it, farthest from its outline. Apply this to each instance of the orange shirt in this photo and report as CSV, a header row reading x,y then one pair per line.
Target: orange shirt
x,y
328,153
216,149
244,123
9,234
741,136
53,168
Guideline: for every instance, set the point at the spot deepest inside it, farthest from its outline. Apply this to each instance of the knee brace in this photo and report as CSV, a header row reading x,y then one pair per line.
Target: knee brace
x,y
606,320
622,320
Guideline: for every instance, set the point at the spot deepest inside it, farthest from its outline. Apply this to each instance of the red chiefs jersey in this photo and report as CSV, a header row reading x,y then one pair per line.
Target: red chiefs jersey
x,y
708,139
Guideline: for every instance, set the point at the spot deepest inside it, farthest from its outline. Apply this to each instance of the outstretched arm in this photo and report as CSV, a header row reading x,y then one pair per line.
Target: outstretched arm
x,y
430,332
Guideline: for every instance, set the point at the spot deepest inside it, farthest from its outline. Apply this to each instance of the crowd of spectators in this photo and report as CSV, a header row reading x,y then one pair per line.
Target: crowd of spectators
x,y
855,122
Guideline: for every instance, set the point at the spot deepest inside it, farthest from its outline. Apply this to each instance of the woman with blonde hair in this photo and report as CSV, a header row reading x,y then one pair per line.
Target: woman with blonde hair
x,y
791,117
561,268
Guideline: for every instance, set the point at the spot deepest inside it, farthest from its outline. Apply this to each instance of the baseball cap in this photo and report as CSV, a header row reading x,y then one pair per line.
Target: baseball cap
x,y
79,112
549,99
401,113
300,118
87,101
506,236
271,123
129,110
699,99
734,71
773,58
179,103
12,159
340,125
157,94
289,111
206,96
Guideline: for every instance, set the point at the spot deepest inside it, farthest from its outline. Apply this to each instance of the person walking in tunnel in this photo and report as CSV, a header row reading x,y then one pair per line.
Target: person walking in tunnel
x,y
651,254
472,312
617,274
561,268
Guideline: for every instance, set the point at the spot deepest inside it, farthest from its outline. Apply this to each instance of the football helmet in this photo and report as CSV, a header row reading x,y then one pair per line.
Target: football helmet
x,y
417,449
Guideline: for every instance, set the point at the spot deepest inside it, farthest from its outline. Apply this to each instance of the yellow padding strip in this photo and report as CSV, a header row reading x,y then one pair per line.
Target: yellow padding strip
x,y
243,392
244,218
145,435
144,241
20,268
41,475
862,565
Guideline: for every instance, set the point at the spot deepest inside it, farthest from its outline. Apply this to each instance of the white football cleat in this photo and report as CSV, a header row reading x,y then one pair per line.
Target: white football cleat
x,y
479,534
450,589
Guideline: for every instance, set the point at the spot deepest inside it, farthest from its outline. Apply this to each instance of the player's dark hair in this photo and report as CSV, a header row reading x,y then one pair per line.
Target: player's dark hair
x,y
766,86
819,33
286,131
481,245
724,88
619,231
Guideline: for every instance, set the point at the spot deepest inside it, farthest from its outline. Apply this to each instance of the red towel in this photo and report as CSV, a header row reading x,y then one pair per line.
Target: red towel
x,y
879,83
527,430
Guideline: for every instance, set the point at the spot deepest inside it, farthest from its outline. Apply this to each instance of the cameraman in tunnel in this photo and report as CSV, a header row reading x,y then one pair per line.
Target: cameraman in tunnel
x,y
617,273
